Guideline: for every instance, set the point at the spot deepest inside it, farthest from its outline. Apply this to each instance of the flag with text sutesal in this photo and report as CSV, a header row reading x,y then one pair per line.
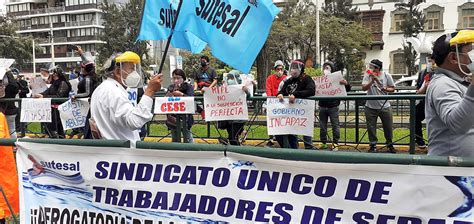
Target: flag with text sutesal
x,y
235,30
156,23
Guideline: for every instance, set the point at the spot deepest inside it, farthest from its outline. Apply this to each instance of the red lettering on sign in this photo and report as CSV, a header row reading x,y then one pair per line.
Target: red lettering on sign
x,y
173,107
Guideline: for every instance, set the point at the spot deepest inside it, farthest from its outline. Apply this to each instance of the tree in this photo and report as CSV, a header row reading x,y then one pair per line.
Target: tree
x,y
122,26
341,9
13,45
411,27
339,33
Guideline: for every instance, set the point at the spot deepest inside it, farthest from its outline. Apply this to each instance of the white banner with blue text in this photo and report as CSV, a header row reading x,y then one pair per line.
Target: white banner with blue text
x,y
77,184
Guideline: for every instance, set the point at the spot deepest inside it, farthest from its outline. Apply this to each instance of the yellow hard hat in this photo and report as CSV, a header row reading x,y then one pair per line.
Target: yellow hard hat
x,y
463,37
128,56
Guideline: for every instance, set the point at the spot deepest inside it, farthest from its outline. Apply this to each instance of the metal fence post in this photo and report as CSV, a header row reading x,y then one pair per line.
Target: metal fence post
x,y
357,121
412,125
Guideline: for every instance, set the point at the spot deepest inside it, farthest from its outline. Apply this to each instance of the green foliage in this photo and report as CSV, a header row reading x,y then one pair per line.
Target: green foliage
x,y
412,26
122,25
13,45
313,72
340,9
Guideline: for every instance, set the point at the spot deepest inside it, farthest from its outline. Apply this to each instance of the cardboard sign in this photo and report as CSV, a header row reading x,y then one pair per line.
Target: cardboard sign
x,y
284,118
74,113
35,110
6,62
328,85
225,103
174,105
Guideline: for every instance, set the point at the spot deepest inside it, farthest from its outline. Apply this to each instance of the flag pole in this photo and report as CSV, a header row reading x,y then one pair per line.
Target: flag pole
x,y
169,38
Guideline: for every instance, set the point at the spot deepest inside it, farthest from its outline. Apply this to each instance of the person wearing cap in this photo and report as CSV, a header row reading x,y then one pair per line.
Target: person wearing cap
x,y
378,82
59,88
274,80
449,101
113,116
301,86
329,109
87,85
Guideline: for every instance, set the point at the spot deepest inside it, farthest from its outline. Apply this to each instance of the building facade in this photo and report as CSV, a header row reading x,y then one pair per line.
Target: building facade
x,y
384,20
57,24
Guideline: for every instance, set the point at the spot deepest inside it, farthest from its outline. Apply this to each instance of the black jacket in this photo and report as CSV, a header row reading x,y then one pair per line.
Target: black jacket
x,y
57,89
9,108
23,87
333,103
301,87
86,87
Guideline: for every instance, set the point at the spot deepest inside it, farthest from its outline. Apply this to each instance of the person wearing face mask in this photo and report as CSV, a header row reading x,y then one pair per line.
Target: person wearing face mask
x,y
449,102
180,88
378,82
87,85
422,84
113,116
59,88
274,80
329,109
299,85
206,76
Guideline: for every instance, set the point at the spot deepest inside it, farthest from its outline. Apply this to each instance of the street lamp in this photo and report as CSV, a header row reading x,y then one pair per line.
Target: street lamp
x,y
33,46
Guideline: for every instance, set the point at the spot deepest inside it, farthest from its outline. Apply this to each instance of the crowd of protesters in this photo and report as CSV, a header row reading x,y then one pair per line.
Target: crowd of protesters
x,y
446,81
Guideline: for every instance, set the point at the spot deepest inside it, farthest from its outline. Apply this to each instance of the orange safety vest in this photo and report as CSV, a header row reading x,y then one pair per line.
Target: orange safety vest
x,y
8,175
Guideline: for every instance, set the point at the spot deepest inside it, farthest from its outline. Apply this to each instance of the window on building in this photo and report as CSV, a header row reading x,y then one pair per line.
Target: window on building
x,y
398,62
466,16
434,18
398,18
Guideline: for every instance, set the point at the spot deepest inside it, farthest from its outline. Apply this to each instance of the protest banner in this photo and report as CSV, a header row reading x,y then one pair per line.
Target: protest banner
x,y
174,105
296,118
35,110
328,85
70,184
6,62
74,113
225,103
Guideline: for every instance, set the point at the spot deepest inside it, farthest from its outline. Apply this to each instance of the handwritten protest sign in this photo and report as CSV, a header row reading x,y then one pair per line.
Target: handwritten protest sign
x,y
35,110
37,85
6,62
284,118
74,113
174,105
328,85
225,103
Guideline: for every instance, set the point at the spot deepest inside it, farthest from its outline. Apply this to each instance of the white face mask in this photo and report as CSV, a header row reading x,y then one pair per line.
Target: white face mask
x,y
133,79
280,73
231,82
469,66
295,73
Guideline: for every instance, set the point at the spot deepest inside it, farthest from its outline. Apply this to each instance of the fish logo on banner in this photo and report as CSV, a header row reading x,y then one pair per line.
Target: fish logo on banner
x,y
157,26
55,170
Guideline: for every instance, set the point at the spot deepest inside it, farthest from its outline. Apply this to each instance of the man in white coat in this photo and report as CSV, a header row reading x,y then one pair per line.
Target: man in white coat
x,y
113,115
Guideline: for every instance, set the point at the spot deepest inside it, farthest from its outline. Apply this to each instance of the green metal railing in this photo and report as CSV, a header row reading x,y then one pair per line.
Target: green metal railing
x,y
285,154
259,100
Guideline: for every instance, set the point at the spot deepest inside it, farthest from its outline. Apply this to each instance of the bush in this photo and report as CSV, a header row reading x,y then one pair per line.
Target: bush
x,y
313,72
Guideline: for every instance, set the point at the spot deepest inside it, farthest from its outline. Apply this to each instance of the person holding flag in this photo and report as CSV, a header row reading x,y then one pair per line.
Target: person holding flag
x,y
113,116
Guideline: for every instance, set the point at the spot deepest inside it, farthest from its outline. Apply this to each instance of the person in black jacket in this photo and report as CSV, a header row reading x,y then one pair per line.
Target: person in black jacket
x,y
299,85
329,109
24,90
87,85
60,88
9,89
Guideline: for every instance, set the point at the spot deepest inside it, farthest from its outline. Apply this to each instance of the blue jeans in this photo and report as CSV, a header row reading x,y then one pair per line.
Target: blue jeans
x,y
292,140
325,114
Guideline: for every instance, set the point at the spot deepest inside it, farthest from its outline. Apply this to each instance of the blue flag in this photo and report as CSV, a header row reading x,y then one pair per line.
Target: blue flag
x,y
157,19
236,30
